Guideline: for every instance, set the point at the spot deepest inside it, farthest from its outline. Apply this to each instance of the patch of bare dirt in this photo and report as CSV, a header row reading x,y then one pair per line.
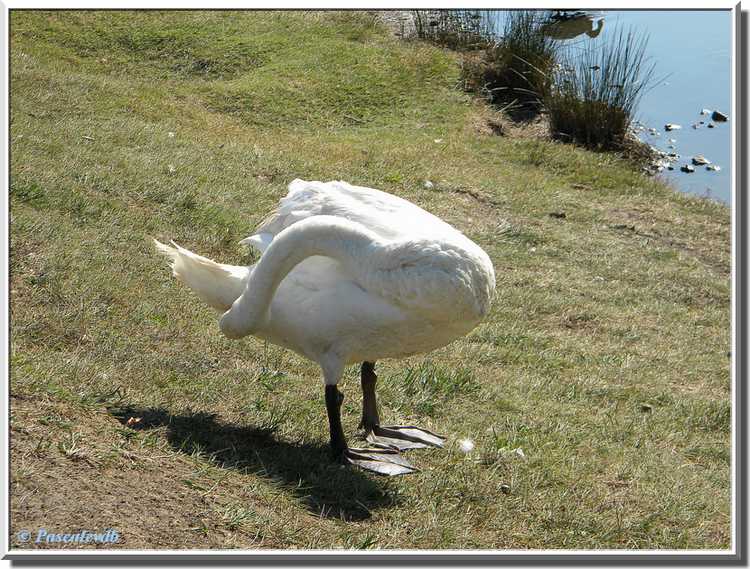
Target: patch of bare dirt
x,y
486,121
70,474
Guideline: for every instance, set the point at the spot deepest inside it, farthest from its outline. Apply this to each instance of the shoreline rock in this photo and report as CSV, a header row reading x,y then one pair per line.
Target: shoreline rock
x,y
718,116
700,160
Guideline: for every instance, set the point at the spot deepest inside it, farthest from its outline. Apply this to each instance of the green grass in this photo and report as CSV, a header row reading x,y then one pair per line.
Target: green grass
x,y
604,357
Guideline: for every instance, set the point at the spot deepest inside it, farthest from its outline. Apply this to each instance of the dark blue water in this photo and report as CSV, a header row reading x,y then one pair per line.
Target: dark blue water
x,y
692,53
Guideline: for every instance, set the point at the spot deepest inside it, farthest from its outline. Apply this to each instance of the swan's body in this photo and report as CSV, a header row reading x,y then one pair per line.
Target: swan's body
x,y
347,274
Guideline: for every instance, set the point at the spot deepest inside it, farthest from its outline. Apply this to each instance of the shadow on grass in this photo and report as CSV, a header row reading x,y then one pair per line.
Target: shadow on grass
x,y
523,114
304,469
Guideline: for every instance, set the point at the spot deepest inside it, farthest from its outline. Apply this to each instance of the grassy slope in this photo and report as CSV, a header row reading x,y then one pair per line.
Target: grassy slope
x,y
604,357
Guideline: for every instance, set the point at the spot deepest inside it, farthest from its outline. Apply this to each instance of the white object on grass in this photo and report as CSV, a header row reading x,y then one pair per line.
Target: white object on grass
x,y
466,445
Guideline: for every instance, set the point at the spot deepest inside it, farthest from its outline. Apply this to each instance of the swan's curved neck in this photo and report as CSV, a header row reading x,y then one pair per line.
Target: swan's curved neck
x,y
324,235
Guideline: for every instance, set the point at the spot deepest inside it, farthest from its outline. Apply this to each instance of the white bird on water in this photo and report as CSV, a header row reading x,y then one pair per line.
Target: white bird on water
x,y
350,275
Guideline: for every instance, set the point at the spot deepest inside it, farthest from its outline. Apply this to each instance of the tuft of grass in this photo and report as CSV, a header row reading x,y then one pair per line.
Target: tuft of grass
x,y
235,516
596,91
69,446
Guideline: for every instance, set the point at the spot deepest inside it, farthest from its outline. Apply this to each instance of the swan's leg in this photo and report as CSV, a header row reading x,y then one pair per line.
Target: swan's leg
x,y
399,437
370,417
334,399
381,460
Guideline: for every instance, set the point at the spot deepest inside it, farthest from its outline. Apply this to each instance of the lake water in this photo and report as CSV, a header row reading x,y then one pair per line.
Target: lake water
x,y
692,53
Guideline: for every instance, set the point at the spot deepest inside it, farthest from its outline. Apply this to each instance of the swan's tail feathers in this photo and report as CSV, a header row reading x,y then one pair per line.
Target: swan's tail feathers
x,y
215,284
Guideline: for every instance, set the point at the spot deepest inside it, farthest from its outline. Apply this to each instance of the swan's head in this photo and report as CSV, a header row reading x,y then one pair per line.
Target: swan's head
x,y
237,323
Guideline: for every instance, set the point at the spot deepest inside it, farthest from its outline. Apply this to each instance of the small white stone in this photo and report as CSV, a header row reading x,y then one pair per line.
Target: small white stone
x,y
519,453
170,134
429,185
438,140
171,169
532,250
466,446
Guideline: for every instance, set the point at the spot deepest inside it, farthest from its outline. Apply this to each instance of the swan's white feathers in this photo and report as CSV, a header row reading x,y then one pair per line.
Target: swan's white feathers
x,y
387,215
348,274
413,238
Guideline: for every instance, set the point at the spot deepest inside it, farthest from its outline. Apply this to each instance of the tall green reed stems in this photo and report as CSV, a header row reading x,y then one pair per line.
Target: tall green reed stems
x,y
596,88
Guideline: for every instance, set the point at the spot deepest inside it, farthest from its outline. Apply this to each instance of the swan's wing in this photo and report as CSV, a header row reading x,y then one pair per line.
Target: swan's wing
x,y
387,215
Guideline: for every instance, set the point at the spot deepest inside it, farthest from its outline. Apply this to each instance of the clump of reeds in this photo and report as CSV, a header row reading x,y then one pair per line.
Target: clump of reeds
x,y
596,89
515,70
461,30
590,90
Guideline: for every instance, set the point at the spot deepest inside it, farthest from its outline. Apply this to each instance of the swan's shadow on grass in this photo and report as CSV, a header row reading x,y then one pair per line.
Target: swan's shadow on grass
x,y
304,469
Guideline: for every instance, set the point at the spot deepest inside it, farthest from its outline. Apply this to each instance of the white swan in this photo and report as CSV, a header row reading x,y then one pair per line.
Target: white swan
x,y
350,275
